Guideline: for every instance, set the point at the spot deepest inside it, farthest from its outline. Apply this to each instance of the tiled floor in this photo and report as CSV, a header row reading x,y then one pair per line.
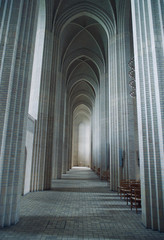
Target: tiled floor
x,y
79,206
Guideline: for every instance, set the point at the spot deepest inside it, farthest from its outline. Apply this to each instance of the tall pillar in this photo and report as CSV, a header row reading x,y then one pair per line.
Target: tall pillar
x,y
121,105
18,28
126,110
60,135
95,129
41,166
67,145
103,117
58,127
148,37
113,114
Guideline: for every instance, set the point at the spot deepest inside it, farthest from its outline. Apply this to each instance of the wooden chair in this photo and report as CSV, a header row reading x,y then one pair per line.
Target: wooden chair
x,y
105,175
124,189
124,185
133,186
98,171
121,183
94,168
136,199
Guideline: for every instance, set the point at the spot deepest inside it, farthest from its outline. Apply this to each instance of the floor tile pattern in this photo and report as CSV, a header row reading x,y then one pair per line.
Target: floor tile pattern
x,y
79,206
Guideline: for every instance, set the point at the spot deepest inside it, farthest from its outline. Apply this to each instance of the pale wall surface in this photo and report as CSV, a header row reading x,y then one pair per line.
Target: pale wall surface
x,y
29,148
37,65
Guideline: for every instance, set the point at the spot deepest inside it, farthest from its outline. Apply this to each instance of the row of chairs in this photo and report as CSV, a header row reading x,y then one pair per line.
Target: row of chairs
x,y
128,189
96,170
105,174
131,192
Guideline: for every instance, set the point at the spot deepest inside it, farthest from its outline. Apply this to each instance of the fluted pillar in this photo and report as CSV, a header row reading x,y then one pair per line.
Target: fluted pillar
x,y
41,166
18,29
122,115
148,37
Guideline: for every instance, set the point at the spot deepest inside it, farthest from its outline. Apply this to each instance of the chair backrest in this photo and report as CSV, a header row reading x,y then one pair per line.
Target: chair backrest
x,y
137,193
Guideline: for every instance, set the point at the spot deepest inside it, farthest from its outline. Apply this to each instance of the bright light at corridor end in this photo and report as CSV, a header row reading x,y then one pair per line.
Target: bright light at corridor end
x,y
81,143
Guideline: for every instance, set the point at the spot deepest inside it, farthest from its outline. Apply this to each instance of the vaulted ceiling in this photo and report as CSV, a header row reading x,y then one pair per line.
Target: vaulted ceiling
x,y
82,29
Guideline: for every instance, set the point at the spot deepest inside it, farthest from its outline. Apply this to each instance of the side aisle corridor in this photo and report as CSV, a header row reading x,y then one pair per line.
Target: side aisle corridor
x,y
79,206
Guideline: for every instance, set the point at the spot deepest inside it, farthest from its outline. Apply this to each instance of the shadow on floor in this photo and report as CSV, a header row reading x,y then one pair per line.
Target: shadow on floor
x,y
100,227
78,189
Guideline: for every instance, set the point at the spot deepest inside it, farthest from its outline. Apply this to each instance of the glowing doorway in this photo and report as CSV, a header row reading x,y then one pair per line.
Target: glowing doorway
x,y
81,144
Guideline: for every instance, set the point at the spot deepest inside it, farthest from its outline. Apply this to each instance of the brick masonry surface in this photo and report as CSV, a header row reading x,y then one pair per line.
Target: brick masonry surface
x,y
79,206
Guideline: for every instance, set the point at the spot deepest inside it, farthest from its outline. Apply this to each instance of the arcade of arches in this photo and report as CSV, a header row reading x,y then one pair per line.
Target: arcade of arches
x,y
81,110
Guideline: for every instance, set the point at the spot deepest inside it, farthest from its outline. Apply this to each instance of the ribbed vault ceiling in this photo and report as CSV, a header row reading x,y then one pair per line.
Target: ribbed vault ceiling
x,y
82,75
81,29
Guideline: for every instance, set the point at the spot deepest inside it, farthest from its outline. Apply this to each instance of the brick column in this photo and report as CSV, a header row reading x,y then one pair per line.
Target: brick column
x,y
18,25
41,165
122,107
103,118
148,40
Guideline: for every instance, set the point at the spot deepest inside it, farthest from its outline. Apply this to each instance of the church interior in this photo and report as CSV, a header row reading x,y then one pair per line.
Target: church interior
x,y
82,112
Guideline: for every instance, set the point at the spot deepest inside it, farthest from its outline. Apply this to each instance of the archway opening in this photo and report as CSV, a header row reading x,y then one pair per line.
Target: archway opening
x,y
81,141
